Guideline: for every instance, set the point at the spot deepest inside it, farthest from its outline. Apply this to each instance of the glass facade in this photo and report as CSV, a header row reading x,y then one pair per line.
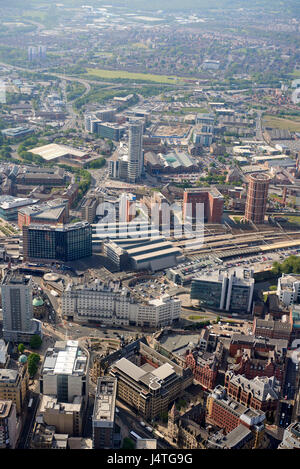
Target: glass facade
x,y
208,293
58,244
239,300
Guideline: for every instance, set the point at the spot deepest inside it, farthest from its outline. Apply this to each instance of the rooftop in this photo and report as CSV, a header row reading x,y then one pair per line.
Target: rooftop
x,y
5,407
8,202
53,151
104,407
232,438
65,358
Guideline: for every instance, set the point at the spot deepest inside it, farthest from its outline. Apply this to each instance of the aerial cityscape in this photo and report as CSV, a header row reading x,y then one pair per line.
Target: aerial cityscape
x,y
150,226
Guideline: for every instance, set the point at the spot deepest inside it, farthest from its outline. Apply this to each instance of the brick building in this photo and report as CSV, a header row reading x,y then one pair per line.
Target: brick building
x,y
272,329
51,212
260,393
257,196
264,344
211,198
204,366
252,363
228,414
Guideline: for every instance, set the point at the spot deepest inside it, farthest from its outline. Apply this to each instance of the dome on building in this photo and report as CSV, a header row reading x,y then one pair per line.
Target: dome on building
x,y
38,301
22,359
51,277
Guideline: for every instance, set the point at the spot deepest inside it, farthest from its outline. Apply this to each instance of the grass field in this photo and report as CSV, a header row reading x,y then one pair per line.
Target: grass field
x,y
293,125
196,318
293,219
121,74
200,110
238,218
35,15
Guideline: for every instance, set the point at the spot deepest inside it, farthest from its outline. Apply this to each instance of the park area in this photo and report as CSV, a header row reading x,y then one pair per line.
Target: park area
x,y
123,75
292,124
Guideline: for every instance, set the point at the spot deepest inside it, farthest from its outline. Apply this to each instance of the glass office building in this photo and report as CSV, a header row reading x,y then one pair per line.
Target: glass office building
x,y
57,243
208,293
225,291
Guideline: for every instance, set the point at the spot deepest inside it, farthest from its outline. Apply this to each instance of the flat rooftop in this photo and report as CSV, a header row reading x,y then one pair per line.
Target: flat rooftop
x,y
5,407
157,254
105,399
151,379
7,375
54,151
65,359
14,278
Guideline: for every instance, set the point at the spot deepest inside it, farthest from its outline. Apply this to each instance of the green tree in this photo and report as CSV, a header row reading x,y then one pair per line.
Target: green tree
x,y
35,342
128,444
164,417
21,348
276,268
33,361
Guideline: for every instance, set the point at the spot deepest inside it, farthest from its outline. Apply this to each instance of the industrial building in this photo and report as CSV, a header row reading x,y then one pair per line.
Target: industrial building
x,y
123,231
172,162
145,254
59,153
